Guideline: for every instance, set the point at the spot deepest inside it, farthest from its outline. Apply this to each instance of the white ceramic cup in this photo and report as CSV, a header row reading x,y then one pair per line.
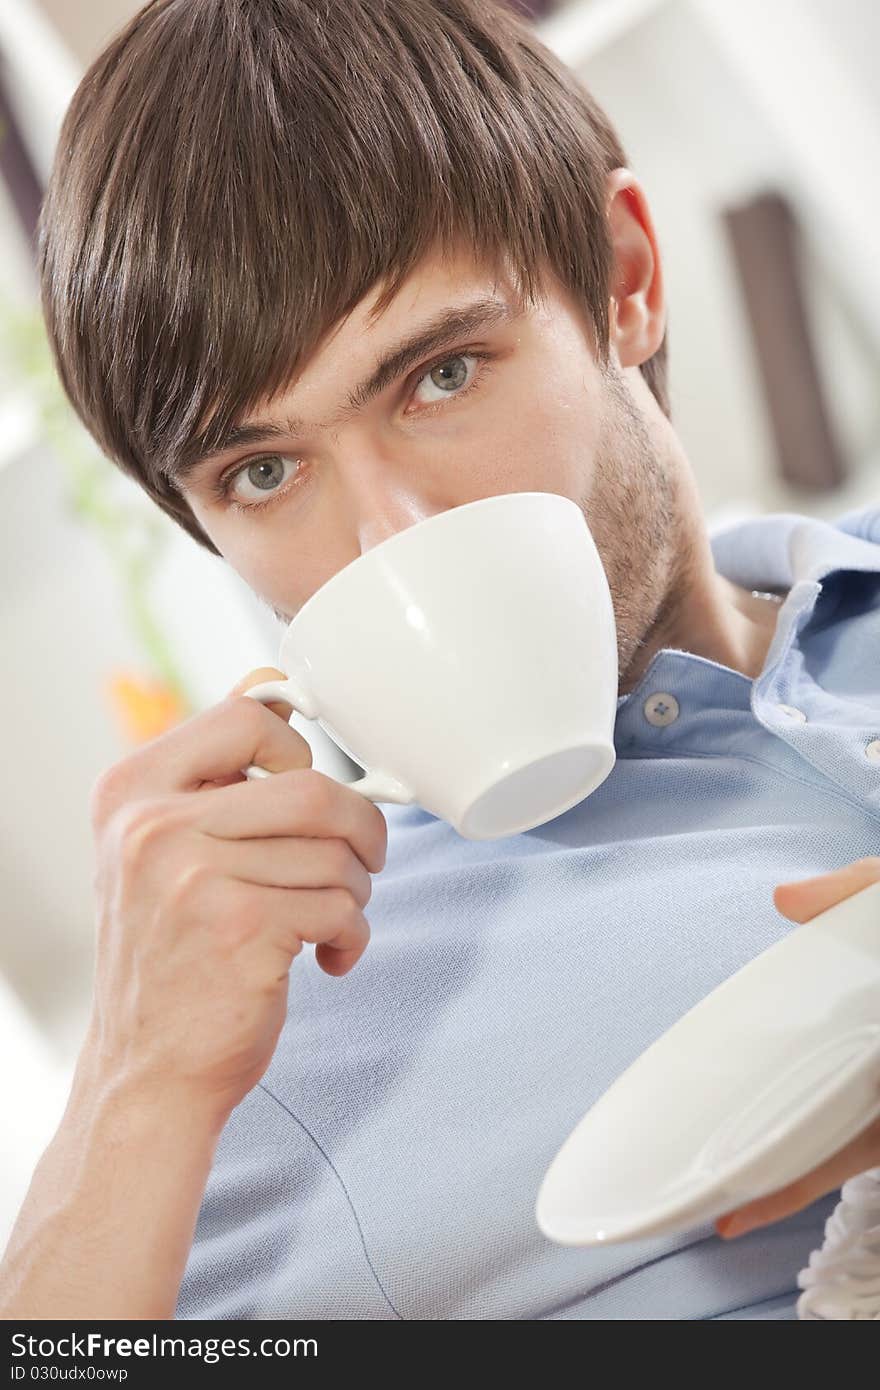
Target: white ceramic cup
x,y
469,662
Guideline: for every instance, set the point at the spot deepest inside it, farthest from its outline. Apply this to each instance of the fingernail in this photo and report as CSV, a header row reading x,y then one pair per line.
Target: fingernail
x,y
736,1225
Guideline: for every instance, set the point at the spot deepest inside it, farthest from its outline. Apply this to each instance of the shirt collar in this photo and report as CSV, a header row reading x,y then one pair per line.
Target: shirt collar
x,y
786,550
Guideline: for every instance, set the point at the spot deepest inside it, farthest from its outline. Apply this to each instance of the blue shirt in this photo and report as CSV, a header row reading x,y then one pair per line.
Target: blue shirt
x,y
387,1164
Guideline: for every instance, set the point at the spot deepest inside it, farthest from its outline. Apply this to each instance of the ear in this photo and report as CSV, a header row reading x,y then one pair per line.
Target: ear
x,y
637,310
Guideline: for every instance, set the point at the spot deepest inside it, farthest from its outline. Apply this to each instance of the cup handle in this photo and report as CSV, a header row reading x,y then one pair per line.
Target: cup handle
x,y
375,786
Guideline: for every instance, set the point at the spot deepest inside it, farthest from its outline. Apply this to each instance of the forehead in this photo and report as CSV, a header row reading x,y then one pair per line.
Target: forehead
x,y
351,349
439,279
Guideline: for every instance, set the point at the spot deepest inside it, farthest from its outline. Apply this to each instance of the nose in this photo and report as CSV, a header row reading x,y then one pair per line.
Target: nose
x,y
380,491
380,524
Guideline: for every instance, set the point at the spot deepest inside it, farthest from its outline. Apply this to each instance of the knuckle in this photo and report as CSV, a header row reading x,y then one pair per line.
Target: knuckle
x,y
249,712
382,857
339,859
108,792
381,841
364,890
139,825
189,882
237,924
229,935
314,792
346,908
259,721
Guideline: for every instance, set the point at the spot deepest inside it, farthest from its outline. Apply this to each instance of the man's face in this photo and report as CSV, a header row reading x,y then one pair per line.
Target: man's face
x,y
518,404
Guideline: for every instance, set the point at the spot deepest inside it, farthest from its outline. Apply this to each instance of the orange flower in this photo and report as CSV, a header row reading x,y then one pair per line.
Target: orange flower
x,y
143,706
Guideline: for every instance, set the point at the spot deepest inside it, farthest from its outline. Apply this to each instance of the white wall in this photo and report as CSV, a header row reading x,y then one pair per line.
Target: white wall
x,y
87,24
698,140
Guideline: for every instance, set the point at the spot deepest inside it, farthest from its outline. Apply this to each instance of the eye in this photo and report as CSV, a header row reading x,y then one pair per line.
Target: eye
x,y
258,482
451,377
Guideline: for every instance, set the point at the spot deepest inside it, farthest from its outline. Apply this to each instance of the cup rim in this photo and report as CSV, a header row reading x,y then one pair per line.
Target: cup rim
x,y
437,518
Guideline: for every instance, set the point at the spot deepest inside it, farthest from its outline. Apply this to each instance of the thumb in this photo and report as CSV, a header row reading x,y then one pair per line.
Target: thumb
x,y
279,707
805,899
256,677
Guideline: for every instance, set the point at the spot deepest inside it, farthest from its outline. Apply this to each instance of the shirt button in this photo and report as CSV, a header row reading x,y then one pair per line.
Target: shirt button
x,y
873,751
661,709
793,713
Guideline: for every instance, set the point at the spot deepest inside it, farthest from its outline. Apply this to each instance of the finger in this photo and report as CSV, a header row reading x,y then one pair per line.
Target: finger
x,y
340,932
301,802
294,862
212,745
861,1154
280,707
326,917
226,781
283,708
804,900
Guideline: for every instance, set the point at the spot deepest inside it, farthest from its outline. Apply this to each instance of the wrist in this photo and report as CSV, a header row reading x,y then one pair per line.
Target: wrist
x,y
103,1087
109,1217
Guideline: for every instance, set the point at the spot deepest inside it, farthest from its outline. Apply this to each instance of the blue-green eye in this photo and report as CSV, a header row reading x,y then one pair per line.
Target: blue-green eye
x,y
258,482
449,377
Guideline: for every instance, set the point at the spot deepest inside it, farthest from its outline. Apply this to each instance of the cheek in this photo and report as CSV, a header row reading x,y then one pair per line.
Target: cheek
x,y
546,436
240,548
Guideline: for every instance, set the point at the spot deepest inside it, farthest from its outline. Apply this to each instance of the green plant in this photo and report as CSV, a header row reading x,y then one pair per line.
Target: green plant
x,y
132,537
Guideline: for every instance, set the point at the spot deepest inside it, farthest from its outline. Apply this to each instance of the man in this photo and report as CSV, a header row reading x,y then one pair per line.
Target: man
x,y
314,271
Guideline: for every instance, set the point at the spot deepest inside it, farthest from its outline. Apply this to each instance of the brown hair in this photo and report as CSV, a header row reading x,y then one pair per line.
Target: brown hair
x,y
233,176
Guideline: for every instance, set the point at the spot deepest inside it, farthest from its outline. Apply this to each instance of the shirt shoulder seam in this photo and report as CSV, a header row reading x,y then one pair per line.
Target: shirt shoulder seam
x,y
338,1176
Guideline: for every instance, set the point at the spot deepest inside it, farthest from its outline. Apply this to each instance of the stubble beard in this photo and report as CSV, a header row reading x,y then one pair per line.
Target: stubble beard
x,y
642,537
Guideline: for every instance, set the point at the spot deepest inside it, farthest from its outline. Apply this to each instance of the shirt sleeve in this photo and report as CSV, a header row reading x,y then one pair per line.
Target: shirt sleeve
x,y
276,1235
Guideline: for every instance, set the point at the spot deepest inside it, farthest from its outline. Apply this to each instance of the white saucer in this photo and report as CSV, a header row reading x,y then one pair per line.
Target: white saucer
x,y
769,1075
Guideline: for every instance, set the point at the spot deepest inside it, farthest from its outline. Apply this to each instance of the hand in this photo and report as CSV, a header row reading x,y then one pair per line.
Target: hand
x,y
207,885
799,902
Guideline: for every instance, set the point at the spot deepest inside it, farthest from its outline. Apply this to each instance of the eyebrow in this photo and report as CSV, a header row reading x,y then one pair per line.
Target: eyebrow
x,y
457,322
